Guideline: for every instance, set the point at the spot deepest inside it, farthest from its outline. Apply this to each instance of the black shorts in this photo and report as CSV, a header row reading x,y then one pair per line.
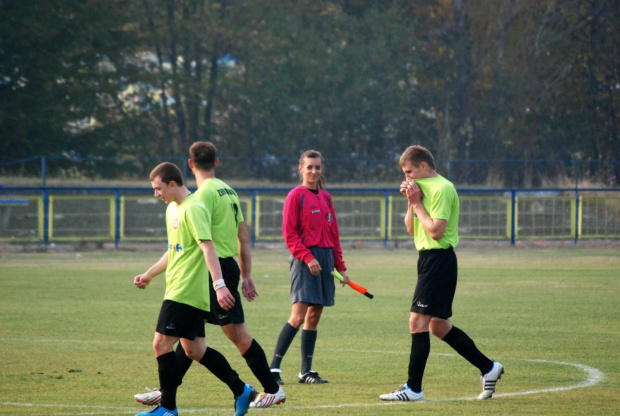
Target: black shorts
x,y
180,320
437,276
232,276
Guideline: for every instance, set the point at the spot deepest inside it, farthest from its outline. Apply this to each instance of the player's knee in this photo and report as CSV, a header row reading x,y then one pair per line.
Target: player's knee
x,y
418,323
437,332
193,353
312,318
440,327
296,321
243,344
160,348
238,335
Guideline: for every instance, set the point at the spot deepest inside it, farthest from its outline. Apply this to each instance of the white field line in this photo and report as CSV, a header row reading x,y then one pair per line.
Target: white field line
x,y
593,376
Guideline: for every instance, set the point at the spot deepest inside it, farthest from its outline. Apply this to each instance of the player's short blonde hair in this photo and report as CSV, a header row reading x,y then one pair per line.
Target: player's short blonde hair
x,y
167,172
417,154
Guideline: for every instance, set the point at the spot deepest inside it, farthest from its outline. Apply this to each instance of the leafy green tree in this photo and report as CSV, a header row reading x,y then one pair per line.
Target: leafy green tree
x,y
62,64
359,80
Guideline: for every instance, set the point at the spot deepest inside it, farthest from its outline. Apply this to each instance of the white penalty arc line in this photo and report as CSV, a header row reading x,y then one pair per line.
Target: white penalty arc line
x,y
594,376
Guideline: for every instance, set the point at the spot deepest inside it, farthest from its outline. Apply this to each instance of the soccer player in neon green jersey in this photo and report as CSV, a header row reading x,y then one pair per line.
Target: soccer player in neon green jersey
x,y
230,238
190,256
433,219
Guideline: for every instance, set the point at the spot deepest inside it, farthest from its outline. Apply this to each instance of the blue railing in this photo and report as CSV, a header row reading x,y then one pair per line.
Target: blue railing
x,y
48,214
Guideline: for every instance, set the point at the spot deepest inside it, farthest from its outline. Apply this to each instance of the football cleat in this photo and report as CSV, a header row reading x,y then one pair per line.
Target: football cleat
x,y
311,377
160,411
150,398
242,402
265,400
403,394
489,380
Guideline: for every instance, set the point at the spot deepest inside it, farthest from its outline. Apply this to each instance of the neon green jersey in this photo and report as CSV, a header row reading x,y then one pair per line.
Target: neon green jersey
x,y
440,202
187,275
224,210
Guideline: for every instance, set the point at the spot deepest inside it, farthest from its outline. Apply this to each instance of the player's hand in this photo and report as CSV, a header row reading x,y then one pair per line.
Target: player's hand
x,y
141,281
404,185
412,191
224,298
345,278
315,267
248,289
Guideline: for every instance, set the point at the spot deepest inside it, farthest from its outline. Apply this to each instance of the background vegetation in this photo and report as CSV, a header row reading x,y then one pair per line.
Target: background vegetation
x,y
473,80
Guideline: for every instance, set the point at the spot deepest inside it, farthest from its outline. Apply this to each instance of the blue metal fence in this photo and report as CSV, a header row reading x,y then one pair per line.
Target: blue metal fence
x,y
55,214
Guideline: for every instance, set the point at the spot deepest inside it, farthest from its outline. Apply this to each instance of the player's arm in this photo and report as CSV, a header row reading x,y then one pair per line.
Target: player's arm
x,y
409,219
409,223
433,226
224,298
339,264
245,263
291,220
337,249
141,281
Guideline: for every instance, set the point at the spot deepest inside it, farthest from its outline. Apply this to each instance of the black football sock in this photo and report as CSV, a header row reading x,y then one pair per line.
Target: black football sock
x,y
308,341
420,349
167,367
287,334
183,363
257,361
219,366
466,347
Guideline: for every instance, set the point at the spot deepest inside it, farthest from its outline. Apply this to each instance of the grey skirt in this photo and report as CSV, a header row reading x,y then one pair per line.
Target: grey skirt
x,y
306,287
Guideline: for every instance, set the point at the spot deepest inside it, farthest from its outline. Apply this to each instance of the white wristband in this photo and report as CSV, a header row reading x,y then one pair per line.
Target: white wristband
x,y
218,284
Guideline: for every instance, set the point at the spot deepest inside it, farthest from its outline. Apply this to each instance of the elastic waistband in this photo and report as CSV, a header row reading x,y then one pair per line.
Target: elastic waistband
x,y
435,250
225,259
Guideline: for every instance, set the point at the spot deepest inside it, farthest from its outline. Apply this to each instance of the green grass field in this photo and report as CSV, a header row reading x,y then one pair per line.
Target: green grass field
x,y
75,337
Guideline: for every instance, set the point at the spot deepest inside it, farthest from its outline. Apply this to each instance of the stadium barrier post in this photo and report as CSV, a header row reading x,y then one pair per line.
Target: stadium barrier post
x,y
513,197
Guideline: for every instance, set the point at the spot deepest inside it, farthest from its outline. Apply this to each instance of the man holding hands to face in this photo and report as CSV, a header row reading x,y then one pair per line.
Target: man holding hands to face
x,y
432,218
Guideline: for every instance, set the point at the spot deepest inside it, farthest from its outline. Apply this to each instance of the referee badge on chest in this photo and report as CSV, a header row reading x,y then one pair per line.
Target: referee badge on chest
x,y
329,217
175,224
